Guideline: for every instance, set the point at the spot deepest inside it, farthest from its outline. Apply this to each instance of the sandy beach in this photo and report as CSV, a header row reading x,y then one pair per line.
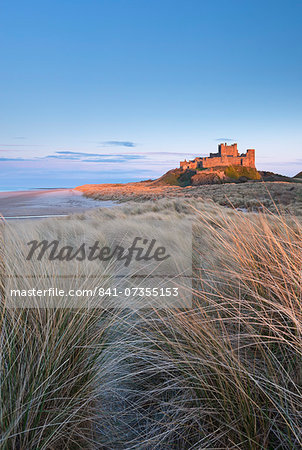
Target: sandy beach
x,y
44,203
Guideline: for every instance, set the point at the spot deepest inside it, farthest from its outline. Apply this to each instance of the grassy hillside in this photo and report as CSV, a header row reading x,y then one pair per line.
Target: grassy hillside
x,y
271,176
178,177
239,173
299,175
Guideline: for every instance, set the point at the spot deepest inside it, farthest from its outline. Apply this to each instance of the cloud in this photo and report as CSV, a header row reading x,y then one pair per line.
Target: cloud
x,y
83,157
76,153
225,139
157,158
116,158
96,157
14,159
119,144
69,157
110,154
21,145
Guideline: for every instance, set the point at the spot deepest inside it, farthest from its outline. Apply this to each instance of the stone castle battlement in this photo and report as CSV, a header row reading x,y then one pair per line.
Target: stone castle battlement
x,y
227,155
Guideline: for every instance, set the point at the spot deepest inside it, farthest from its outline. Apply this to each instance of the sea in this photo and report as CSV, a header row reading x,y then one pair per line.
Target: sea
x,y
26,188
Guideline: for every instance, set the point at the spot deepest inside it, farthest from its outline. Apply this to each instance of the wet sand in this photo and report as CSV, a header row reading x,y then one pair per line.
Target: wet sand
x,y
45,203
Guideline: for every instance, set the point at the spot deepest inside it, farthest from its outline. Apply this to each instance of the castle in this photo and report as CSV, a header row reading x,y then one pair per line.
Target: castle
x,y
227,155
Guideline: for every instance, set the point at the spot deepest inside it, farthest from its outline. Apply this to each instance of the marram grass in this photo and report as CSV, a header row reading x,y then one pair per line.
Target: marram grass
x,y
225,374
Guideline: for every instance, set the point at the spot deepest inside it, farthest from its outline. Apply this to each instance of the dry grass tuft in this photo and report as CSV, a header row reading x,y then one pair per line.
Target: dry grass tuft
x,y
228,373
50,363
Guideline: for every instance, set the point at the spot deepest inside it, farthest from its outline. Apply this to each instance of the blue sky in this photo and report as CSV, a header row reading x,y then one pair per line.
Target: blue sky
x,y
118,90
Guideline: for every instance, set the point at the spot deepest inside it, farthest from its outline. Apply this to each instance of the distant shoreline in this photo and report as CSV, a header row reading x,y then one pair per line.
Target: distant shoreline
x,y
42,203
32,189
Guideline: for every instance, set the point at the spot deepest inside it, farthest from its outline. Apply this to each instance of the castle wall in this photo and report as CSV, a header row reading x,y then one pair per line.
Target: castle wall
x,y
189,165
244,160
227,156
